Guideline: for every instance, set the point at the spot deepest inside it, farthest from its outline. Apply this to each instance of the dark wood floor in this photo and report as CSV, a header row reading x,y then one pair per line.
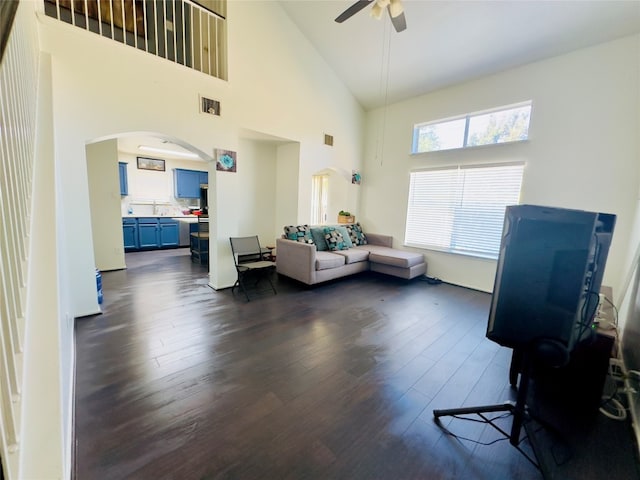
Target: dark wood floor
x,y
178,381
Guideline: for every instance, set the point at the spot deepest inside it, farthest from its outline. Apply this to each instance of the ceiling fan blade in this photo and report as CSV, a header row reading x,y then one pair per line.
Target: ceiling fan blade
x,y
399,22
352,10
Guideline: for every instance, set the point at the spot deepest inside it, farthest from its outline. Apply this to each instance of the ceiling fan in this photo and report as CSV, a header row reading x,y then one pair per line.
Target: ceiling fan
x,y
394,7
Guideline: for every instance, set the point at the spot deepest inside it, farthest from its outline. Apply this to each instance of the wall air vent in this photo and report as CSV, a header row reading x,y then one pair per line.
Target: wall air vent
x,y
328,140
210,106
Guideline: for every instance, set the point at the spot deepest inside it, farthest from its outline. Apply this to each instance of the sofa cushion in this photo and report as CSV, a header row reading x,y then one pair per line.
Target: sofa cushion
x,y
334,239
372,248
353,255
326,260
396,258
356,234
299,233
318,238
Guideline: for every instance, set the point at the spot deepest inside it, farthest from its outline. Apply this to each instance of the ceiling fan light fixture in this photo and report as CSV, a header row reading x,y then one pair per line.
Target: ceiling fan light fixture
x,y
376,11
395,8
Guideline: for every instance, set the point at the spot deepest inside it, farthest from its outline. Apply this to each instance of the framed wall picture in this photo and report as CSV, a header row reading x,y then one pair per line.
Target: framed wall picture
x,y
226,161
145,163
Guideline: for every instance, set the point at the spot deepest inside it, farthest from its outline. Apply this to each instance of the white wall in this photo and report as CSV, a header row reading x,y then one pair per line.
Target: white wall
x,y
256,178
149,185
104,196
287,173
278,85
49,351
288,91
582,153
46,358
627,299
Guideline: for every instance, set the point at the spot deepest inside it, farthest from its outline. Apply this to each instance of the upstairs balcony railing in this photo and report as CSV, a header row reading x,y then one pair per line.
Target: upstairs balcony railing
x,y
182,31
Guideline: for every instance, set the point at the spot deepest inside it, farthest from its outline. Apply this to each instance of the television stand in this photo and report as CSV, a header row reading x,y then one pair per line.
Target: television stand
x,y
518,410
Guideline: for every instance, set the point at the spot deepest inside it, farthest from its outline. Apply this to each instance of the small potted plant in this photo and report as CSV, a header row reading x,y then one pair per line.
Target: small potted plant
x,y
345,217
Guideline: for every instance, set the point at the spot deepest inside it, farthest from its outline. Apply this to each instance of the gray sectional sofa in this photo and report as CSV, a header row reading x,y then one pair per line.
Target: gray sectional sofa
x,y
309,263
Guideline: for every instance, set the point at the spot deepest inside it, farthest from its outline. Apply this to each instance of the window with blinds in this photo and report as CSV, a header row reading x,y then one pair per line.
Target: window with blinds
x,y
461,209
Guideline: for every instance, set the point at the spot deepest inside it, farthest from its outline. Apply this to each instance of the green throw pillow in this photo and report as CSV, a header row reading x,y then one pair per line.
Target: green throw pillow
x,y
318,238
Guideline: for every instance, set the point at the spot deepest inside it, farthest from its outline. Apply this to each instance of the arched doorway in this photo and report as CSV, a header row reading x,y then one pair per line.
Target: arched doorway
x,y
134,175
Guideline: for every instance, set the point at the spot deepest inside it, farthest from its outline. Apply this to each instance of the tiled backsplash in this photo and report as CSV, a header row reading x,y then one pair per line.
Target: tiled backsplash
x,y
162,209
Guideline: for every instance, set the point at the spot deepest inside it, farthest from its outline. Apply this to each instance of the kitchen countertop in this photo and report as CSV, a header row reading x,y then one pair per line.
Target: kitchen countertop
x,y
181,218
159,216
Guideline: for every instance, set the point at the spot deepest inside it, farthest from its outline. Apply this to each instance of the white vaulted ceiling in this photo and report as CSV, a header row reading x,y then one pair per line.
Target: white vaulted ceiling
x,y
449,42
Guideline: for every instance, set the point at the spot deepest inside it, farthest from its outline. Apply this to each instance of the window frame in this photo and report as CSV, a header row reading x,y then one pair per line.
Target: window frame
x,y
467,117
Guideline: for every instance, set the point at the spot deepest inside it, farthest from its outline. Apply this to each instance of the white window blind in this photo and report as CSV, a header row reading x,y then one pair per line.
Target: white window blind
x,y
319,199
461,209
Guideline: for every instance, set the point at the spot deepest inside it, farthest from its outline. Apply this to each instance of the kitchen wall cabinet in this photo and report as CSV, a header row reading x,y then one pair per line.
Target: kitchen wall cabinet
x,y
187,182
149,233
204,178
124,181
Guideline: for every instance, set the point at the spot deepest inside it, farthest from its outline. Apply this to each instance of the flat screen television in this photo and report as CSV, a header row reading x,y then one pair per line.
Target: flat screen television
x,y
549,275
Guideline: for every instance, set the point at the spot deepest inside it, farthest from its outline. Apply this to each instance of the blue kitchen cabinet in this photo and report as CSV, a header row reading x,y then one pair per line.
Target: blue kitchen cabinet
x,y
204,178
148,232
130,234
124,181
187,182
169,233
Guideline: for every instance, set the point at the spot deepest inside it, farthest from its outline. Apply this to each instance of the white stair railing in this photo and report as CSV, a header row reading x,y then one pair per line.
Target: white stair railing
x,y
179,30
18,87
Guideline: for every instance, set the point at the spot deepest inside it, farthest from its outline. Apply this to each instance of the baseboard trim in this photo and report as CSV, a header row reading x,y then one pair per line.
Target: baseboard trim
x,y
73,474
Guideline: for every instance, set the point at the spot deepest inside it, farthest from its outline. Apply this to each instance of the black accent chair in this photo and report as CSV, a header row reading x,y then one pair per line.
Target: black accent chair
x,y
250,263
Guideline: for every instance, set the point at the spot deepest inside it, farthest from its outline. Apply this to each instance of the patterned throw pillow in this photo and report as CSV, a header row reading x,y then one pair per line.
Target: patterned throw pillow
x,y
356,234
345,236
299,233
334,238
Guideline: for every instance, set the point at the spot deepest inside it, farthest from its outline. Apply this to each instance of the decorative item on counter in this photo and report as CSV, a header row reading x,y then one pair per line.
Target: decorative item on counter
x,y
345,217
356,178
99,286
